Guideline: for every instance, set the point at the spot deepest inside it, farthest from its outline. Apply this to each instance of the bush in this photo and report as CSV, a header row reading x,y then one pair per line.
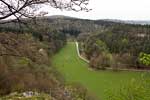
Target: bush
x,y
102,61
79,92
123,61
144,59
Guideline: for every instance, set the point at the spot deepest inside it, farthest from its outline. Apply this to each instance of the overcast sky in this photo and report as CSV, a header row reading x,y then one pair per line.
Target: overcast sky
x,y
111,9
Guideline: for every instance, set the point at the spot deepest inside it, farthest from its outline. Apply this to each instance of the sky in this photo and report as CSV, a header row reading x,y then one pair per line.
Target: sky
x,y
110,9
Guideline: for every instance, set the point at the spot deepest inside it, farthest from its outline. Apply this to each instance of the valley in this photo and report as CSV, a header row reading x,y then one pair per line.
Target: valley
x,y
99,83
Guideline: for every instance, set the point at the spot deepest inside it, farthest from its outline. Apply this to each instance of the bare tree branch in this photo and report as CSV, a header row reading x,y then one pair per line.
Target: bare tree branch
x,y
28,8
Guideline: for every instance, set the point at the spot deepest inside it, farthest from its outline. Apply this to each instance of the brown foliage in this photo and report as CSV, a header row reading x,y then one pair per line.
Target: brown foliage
x,y
23,66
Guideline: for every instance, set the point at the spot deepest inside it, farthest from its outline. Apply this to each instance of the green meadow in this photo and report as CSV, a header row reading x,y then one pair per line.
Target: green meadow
x,y
98,83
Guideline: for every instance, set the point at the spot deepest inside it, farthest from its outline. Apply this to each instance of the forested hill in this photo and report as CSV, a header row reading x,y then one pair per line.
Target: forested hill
x,y
70,25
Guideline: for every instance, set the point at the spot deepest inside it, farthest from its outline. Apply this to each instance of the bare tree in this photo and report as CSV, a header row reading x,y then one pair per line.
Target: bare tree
x,y
29,8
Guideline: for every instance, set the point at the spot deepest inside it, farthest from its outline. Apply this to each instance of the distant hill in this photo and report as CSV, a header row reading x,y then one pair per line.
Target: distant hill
x,y
102,21
62,17
140,22
71,25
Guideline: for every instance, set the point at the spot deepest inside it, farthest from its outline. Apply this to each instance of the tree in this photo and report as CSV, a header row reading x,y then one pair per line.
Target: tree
x,y
29,8
144,59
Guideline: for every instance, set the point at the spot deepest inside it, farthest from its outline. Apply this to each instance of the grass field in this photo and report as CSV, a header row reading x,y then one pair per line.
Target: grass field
x,y
97,82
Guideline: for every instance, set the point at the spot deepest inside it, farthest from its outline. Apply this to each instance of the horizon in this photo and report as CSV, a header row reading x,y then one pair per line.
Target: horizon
x,y
111,19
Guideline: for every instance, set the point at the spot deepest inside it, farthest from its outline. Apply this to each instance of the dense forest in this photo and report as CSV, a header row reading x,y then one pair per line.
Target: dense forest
x,y
119,46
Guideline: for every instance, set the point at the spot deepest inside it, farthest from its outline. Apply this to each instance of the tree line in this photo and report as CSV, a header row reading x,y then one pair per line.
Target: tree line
x,y
119,46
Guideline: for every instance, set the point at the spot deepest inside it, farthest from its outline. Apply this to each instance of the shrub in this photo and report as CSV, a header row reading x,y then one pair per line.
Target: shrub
x,y
123,61
24,61
144,59
102,61
79,92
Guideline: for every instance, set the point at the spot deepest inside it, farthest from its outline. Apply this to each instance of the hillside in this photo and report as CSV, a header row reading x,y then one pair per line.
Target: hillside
x,y
25,65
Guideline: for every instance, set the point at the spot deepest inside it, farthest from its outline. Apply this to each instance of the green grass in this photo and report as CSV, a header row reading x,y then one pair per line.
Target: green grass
x,y
97,82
